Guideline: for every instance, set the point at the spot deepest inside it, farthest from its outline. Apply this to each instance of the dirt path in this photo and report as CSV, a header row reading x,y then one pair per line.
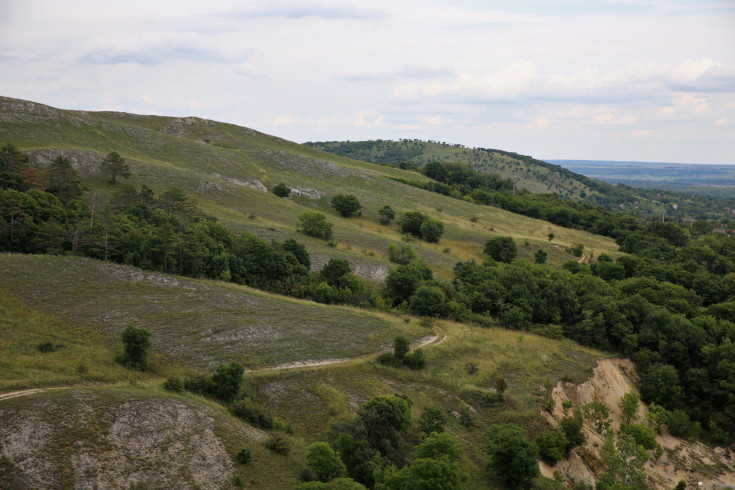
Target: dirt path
x,y
423,342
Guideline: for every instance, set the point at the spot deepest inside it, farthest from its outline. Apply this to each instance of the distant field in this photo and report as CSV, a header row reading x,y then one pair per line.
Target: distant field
x,y
717,180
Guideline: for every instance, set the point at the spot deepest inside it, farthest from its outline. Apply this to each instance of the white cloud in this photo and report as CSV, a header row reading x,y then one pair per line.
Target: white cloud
x,y
146,99
282,121
721,122
360,120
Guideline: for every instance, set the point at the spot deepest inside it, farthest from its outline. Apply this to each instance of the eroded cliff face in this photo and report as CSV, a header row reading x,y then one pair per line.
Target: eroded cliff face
x,y
685,460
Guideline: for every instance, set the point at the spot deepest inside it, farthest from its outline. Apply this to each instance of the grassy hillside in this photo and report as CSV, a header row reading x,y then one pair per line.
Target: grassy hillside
x,y
229,168
535,175
109,424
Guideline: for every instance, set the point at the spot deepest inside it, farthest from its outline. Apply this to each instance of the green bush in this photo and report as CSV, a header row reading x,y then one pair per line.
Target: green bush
x,y
136,344
644,436
386,215
680,425
282,190
552,445
415,360
432,230
346,205
501,249
572,428
243,456
389,359
401,347
173,383
278,445
227,381
248,411
315,224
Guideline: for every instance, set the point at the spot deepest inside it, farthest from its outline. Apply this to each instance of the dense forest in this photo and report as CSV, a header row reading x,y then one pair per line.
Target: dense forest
x,y
668,303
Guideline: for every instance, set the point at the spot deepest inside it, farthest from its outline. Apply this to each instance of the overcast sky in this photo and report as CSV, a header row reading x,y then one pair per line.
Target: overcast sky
x,y
578,79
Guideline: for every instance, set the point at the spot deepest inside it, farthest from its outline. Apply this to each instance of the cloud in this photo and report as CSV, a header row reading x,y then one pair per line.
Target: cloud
x,y
360,120
247,70
721,122
282,121
303,10
433,120
149,52
146,99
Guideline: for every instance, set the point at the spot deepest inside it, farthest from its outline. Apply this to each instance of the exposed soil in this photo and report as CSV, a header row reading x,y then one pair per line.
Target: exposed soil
x,y
692,462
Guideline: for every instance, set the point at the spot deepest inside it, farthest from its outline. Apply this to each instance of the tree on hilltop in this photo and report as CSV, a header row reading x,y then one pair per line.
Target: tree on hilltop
x,y
115,165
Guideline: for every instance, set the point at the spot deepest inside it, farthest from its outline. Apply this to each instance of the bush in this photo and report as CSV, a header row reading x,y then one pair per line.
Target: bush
x,y
389,359
199,384
403,255
346,205
411,222
681,425
227,381
386,215
278,445
501,249
432,420
572,428
552,444
401,347
173,383
315,225
46,347
432,230
540,257
282,190
324,462
136,344
644,436
249,412
243,456
416,360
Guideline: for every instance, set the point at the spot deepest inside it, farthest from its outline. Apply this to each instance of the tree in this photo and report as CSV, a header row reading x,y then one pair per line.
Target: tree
x,y
411,222
403,255
324,462
401,347
661,385
501,249
629,407
540,256
385,420
599,414
386,214
572,428
12,159
552,444
346,205
432,230
115,165
315,224
500,387
227,380
512,456
334,271
551,236
62,179
136,344
428,301
282,190
432,420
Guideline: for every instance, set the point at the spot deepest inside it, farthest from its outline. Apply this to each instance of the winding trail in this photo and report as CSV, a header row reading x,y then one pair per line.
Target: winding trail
x,y
422,342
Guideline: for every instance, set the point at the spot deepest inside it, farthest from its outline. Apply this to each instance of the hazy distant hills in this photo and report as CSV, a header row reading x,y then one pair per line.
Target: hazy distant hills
x,y
687,177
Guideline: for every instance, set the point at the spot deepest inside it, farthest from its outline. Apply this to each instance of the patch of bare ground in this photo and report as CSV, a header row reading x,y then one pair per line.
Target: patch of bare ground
x,y
690,461
109,438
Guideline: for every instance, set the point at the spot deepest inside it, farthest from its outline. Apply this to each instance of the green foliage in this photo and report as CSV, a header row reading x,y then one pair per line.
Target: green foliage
x,y
243,456
62,179
599,414
282,190
680,425
385,420
644,436
552,445
173,383
404,280
629,407
227,380
428,301
432,230
247,410
359,457
387,214
572,428
577,249
512,456
656,417
625,460
539,257
401,346
551,236
315,225
411,222
500,386
389,359
403,255
278,445
416,360
432,420
346,205
116,166
336,484
136,342
324,462
501,249
661,385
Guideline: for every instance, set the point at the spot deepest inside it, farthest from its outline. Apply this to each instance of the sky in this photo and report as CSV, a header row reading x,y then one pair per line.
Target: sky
x,y
649,80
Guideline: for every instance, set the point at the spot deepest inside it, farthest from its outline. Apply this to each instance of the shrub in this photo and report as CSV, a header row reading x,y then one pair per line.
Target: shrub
x,y
315,224
199,384
282,190
243,456
46,347
415,360
432,420
401,347
552,444
540,257
324,462
599,414
572,428
411,222
389,359
173,383
403,255
346,205
432,230
386,215
644,436
500,387
501,249
227,381
136,344
278,445
248,411
681,425
513,458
